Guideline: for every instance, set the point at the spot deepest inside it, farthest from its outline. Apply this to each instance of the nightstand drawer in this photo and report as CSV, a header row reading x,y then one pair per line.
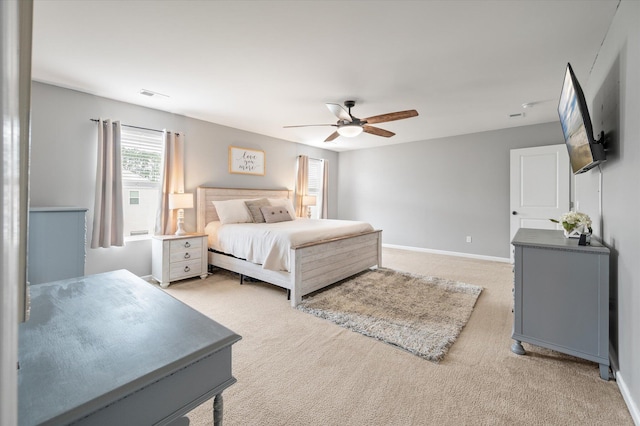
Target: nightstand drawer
x,y
185,269
185,243
185,254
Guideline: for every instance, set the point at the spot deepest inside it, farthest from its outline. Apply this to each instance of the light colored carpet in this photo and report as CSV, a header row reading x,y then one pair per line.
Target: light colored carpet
x,y
422,315
296,369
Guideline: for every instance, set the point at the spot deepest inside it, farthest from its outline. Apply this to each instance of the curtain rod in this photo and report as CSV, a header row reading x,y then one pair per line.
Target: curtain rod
x,y
311,158
133,127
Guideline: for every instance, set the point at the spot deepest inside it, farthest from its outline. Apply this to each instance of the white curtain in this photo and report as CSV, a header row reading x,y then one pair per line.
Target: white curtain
x,y
324,208
302,184
108,217
172,181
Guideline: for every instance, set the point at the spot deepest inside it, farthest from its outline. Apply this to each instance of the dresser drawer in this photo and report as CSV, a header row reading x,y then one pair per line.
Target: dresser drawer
x,y
188,268
185,254
185,243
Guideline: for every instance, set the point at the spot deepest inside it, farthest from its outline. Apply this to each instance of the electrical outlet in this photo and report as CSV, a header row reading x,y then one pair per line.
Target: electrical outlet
x,y
468,238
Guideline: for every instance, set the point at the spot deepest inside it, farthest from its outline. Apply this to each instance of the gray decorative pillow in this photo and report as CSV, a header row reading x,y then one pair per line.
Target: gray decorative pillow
x,y
273,214
254,209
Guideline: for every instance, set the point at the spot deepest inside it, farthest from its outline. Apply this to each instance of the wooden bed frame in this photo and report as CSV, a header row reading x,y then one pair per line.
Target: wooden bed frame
x,y
313,265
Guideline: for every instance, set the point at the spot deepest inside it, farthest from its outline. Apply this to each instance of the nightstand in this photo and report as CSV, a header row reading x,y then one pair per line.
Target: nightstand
x,y
178,257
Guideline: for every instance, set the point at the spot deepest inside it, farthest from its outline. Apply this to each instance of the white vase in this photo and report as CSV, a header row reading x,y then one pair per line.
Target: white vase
x,y
576,232
572,234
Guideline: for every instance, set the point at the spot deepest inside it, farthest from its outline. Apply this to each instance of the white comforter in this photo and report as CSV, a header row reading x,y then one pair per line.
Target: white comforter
x,y
268,244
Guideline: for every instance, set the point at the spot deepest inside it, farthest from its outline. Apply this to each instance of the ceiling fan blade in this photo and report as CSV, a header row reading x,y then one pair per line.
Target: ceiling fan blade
x,y
310,125
332,136
392,116
377,131
339,112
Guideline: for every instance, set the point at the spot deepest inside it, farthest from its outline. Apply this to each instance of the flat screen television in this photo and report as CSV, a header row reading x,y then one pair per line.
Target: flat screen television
x,y
584,151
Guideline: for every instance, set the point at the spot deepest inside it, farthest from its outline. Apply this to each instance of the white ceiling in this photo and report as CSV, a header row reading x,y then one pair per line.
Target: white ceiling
x,y
261,65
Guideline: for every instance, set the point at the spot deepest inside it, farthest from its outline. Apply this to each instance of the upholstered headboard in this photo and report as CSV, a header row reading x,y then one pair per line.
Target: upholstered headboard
x,y
206,212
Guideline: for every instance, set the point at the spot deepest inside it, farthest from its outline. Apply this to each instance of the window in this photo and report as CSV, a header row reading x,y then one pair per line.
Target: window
x,y
134,197
316,179
142,152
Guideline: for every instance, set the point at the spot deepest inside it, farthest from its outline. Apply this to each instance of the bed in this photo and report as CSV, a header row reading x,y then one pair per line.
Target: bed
x,y
311,265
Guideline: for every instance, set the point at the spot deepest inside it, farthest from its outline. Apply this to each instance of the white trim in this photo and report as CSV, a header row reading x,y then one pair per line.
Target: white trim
x,y
634,410
16,19
143,237
449,253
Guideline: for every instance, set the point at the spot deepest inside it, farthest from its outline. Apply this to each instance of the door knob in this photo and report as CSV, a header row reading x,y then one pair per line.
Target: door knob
x,y
514,212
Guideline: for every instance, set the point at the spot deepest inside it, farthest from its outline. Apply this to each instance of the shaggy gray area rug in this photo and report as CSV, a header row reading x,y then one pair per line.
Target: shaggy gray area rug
x,y
423,315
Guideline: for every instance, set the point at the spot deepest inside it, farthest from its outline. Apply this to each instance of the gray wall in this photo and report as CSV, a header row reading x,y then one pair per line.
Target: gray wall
x,y
63,157
433,194
613,93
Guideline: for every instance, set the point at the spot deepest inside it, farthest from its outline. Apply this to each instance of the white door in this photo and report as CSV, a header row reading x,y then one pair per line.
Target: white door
x,y
539,185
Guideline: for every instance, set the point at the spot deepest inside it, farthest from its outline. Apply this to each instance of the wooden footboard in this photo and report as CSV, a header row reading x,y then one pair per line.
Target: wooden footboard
x,y
315,266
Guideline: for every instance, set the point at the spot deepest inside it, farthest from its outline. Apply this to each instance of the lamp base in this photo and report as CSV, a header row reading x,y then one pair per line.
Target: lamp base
x,y
180,230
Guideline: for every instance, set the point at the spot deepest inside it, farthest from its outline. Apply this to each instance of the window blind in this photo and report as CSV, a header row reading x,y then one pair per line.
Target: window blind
x,y
142,152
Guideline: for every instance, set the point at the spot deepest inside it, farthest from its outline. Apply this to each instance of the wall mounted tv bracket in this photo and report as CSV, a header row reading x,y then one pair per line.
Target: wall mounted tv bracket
x,y
603,140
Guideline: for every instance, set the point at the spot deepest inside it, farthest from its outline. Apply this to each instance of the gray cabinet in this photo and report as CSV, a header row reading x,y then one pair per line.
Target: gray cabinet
x,y
561,295
56,249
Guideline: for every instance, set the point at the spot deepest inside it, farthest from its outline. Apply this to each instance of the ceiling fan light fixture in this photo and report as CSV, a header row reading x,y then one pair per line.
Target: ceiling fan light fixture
x,y
350,126
350,130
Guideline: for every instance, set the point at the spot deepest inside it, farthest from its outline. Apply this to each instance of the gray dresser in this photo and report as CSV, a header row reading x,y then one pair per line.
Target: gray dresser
x,y
56,248
561,295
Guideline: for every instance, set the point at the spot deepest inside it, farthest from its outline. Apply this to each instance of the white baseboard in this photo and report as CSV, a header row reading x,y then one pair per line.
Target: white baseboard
x,y
632,405
148,278
449,253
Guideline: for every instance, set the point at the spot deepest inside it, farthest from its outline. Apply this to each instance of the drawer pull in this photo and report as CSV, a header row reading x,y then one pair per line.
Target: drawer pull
x,y
187,255
187,245
187,269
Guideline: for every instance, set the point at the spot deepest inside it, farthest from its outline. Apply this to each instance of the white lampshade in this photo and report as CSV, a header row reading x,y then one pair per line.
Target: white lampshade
x,y
180,201
350,130
309,200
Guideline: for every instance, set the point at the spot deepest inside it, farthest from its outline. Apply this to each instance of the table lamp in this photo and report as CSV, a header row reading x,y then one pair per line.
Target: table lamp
x,y
308,201
180,201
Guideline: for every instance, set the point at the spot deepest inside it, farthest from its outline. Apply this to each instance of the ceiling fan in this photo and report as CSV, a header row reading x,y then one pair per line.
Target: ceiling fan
x,y
351,126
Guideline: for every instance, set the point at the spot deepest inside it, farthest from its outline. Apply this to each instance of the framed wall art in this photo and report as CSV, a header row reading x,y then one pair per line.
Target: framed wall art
x,y
246,161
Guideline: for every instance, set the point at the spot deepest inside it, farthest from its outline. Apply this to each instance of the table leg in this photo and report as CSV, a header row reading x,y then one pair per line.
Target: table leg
x,y
217,410
604,372
517,348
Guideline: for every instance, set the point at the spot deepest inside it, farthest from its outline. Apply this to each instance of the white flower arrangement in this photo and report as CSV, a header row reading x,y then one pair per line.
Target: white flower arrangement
x,y
575,223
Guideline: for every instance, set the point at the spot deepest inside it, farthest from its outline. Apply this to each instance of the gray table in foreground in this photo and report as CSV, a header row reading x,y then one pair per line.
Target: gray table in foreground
x,y
110,349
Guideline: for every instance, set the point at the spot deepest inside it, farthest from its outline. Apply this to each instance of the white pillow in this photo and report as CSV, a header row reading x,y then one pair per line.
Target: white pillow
x,y
232,211
284,202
